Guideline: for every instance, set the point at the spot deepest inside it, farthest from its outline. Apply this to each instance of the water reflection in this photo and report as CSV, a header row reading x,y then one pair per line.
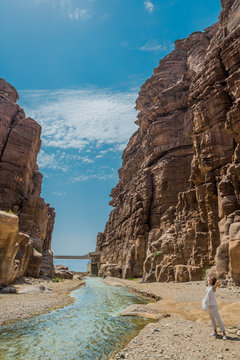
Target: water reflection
x,y
89,329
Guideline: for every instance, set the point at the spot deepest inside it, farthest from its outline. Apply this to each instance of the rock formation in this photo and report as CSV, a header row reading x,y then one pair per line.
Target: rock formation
x,y
177,204
29,251
62,272
15,249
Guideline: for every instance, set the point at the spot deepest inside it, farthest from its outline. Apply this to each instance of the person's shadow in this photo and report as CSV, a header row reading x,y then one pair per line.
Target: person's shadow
x,y
229,338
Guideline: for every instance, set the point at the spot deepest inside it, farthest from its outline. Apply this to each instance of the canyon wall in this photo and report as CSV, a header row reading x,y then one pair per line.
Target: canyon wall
x,y
177,204
26,225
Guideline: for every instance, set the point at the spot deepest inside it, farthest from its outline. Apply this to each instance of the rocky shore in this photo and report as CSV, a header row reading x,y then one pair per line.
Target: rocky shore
x,y
183,329
35,297
179,339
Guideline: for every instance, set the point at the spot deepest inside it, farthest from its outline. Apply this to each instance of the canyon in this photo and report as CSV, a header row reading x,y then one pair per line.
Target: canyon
x,y
176,207
26,221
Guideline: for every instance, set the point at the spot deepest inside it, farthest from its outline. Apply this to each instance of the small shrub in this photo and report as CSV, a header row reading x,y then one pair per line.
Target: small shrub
x,y
157,253
133,279
38,250
204,270
9,212
57,279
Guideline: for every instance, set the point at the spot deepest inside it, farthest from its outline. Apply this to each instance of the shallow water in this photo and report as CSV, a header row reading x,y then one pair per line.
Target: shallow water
x,y
89,329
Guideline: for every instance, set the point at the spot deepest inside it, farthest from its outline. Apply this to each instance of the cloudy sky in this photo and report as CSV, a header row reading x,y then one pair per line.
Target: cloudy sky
x,y
78,66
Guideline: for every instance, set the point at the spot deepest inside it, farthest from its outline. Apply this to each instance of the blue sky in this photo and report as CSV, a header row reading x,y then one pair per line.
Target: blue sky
x,y
78,66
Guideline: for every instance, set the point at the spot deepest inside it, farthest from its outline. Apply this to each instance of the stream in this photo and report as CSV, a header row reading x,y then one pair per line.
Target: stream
x,y
89,329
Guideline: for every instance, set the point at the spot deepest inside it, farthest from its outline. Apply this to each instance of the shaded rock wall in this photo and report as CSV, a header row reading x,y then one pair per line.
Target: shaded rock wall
x,y
20,181
15,249
178,193
47,268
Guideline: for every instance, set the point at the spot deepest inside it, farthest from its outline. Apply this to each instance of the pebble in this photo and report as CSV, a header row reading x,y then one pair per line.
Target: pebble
x,y
8,290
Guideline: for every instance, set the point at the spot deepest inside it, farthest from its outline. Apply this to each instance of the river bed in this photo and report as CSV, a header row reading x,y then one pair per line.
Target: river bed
x,y
89,329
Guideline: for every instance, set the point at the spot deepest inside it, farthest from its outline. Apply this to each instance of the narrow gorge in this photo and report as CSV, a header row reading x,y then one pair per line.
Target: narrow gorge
x,y
177,203
26,221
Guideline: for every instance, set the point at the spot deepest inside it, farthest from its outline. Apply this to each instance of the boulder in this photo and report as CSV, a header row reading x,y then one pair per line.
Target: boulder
x,y
35,290
181,273
47,269
35,263
8,290
62,272
15,249
234,255
112,270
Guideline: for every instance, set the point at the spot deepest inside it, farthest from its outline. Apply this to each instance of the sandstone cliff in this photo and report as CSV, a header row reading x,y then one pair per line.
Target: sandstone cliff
x,y
27,251
177,204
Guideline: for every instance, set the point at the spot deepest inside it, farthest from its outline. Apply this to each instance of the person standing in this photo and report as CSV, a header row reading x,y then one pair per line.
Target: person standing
x,y
213,284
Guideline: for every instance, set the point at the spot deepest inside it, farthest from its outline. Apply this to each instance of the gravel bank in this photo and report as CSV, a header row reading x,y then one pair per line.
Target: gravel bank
x,y
181,292
15,307
179,339
184,332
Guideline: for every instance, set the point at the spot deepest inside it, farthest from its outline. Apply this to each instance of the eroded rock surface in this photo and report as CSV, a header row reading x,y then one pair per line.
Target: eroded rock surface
x,y
176,206
62,272
20,188
15,249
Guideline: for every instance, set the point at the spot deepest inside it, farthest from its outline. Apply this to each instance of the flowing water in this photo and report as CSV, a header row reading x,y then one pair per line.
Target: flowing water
x,y
89,329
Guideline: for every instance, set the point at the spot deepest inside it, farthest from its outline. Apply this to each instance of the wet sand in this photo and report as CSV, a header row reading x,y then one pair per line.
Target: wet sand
x,y
183,329
15,307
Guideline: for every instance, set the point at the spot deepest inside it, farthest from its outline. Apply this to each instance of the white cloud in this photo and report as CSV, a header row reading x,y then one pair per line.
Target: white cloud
x,y
99,176
80,119
149,6
59,193
152,45
80,14
49,161
46,160
119,147
79,127
71,8
87,160
59,160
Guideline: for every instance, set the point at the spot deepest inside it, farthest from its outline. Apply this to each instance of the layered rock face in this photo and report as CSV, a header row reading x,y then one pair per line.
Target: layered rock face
x,y
20,188
15,249
176,206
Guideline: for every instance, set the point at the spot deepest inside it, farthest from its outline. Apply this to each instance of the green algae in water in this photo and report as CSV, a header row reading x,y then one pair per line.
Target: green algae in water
x,y
89,329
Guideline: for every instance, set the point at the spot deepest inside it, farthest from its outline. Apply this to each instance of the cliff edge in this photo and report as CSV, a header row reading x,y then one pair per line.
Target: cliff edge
x,y
177,204
26,222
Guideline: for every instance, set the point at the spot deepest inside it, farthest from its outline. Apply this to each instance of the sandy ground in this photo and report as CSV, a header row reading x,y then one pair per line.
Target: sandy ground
x,y
178,339
15,307
183,329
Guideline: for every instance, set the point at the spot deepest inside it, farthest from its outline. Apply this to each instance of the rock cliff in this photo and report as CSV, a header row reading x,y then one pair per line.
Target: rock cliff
x,y
177,204
25,237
